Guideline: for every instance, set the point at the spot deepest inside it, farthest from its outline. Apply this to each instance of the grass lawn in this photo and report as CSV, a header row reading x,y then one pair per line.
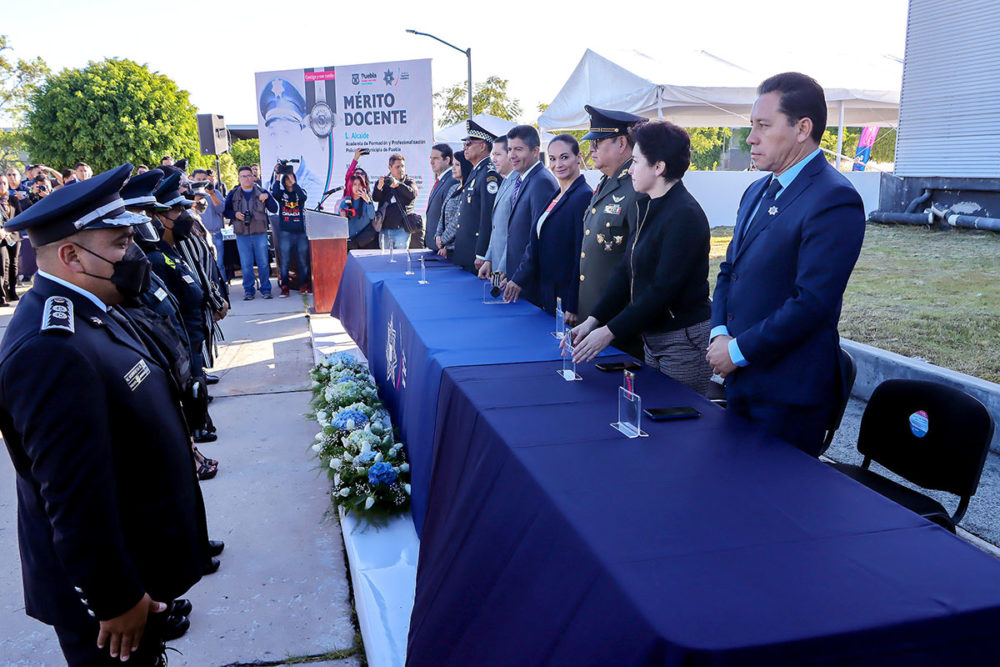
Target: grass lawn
x,y
920,293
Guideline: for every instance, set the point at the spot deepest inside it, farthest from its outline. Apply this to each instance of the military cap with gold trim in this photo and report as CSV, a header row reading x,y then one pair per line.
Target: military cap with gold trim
x,y
477,131
606,123
95,203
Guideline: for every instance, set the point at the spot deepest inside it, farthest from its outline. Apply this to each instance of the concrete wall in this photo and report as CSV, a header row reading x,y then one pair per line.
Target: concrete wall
x,y
876,366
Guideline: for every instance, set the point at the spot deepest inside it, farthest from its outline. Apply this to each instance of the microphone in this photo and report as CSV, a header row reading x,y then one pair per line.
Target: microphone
x,y
330,192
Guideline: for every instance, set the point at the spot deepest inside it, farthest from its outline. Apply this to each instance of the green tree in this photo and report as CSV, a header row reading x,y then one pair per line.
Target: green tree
x,y
488,96
226,165
110,112
884,149
18,80
585,161
707,144
245,152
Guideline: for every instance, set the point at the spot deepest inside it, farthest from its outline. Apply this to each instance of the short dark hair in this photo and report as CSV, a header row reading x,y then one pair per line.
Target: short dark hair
x,y
662,141
199,171
141,166
396,157
41,178
525,133
801,97
166,157
502,139
245,167
445,151
76,166
209,172
574,145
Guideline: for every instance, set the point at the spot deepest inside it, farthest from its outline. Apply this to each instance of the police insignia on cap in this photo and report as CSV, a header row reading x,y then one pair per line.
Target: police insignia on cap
x,y
58,315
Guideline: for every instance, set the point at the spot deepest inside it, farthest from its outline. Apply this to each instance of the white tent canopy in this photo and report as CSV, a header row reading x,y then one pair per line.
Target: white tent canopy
x,y
453,134
705,90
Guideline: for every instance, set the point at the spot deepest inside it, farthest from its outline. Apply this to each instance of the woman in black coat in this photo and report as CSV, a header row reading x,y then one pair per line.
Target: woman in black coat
x,y
553,252
660,290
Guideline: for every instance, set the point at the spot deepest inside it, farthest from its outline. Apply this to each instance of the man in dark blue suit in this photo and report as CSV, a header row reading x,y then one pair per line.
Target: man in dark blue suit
x,y
440,160
778,297
533,190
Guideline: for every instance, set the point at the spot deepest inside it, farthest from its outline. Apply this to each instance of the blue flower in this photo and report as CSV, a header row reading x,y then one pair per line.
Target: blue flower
x,y
349,420
365,457
381,473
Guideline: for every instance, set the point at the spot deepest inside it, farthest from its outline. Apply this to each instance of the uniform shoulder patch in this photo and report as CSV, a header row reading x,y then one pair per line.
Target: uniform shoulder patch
x,y
492,184
57,317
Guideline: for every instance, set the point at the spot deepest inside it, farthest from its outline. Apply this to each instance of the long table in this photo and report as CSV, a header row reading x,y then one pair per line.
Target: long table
x,y
551,539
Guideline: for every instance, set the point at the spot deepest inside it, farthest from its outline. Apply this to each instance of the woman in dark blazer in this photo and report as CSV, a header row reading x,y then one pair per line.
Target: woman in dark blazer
x,y
660,290
552,257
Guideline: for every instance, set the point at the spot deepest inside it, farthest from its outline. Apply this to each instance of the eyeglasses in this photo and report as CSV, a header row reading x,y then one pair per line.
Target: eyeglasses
x,y
469,142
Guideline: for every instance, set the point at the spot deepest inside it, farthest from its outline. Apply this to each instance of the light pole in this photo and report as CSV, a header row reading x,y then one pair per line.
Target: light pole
x,y
468,54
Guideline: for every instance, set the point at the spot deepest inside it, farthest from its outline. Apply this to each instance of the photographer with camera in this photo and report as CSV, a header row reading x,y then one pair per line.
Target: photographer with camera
x,y
247,206
291,229
395,193
359,210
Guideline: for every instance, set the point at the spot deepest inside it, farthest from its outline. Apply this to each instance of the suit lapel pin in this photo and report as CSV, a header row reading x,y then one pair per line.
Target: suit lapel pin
x,y
773,210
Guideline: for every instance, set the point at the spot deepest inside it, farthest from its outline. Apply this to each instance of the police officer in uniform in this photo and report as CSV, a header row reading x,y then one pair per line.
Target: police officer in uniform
x,y
475,216
607,221
108,505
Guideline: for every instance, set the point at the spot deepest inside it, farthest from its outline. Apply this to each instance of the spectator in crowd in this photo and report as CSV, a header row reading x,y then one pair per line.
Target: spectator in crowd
x,y
13,178
359,210
9,244
67,176
81,172
256,175
473,236
660,290
496,252
141,169
292,232
248,206
552,258
780,289
212,216
40,189
166,161
220,187
440,160
534,188
447,227
395,193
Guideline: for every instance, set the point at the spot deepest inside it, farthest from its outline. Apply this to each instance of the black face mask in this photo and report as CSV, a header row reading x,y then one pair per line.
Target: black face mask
x,y
131,272
182,226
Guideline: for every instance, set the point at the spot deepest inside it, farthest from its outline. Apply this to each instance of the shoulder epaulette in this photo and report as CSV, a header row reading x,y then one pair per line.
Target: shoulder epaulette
x,y
58,315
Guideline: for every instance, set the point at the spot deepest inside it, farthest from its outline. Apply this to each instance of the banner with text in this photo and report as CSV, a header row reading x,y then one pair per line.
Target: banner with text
x,y
319,116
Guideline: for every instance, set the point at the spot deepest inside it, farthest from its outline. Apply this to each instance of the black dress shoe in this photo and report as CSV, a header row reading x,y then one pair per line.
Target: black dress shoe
x,y
211,566
203,435
211,379
180,607
215,547
175,627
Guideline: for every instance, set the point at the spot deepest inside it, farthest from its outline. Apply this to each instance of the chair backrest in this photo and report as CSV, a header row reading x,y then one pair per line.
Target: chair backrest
x,y
934,435
850,374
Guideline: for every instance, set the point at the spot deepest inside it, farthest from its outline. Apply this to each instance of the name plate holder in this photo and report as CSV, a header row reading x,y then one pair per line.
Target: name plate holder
x,y
629,421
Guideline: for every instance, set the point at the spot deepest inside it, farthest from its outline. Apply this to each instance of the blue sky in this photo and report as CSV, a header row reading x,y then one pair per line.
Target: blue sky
x,y
535,45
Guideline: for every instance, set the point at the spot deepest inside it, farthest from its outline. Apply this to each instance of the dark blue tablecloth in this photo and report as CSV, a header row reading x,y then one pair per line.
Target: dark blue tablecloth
x,y
410,332
551,539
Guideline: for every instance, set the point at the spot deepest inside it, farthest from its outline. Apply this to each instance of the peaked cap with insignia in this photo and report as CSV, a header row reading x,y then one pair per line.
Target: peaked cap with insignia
x,y
606,123
168,193
477,131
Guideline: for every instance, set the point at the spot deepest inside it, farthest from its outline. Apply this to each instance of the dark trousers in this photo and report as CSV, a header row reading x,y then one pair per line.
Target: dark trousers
x,y
801,425
8,264
79,645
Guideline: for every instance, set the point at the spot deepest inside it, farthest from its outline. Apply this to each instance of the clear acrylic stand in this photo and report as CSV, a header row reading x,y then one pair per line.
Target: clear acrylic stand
x,y
392,248
629,421
492,294
423,273
568,370
560,331
409,263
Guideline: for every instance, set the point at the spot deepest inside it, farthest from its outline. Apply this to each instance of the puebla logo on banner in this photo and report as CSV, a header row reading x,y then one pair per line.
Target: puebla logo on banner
x,y
395,356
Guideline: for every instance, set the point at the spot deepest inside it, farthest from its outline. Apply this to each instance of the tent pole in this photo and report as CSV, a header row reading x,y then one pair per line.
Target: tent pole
x,y
840,135
659,103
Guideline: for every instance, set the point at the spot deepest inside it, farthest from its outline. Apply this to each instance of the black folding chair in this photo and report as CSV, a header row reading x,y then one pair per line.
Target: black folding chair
x,y
850,374
932,435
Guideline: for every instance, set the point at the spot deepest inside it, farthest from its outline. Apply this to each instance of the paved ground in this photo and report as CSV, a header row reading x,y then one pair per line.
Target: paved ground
x,y
282,591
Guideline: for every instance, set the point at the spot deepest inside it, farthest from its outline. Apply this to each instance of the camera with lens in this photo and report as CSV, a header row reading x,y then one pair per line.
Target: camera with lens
x,y
285,166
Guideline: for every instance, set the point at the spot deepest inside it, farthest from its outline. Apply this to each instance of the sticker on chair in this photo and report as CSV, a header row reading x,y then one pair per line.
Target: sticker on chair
x,y
918,423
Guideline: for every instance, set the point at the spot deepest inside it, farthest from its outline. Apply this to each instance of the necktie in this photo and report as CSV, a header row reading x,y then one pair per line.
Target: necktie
x,y
435,186
517,188
765,207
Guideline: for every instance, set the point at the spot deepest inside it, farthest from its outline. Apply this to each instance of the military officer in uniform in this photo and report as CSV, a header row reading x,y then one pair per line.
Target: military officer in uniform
x,y
475,216
607,221
108,505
